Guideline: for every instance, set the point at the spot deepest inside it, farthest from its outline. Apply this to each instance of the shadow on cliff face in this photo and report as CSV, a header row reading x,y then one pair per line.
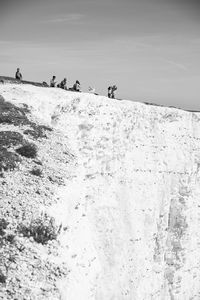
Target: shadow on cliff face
x,y
177,228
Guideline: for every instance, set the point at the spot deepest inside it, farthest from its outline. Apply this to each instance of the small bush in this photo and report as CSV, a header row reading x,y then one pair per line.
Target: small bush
x,y
42,229
8,160
36,172
29,151
2,277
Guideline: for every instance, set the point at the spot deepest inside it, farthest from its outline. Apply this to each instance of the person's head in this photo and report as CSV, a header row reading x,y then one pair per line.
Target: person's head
x,y
77,82
54,77
65,79
18,69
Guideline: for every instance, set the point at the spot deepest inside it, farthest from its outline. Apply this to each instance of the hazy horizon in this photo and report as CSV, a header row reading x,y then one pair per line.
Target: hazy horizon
x,y
148,48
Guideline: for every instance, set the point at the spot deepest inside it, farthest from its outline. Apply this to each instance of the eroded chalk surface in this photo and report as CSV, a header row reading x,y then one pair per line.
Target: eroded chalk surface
x,y
130,203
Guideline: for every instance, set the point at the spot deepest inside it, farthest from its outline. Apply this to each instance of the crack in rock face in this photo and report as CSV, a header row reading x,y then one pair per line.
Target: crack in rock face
x,y
118,184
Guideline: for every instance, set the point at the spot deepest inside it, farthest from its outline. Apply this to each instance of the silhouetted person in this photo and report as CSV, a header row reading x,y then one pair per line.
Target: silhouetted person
x,y
114,88
18,75
53,81
77,86
63,84
111,91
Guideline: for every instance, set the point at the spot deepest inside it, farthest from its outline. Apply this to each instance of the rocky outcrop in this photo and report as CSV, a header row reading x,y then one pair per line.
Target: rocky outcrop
x,y
117,192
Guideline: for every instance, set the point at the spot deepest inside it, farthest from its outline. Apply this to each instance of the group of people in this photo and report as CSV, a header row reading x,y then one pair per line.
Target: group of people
x,y
76,87
63,84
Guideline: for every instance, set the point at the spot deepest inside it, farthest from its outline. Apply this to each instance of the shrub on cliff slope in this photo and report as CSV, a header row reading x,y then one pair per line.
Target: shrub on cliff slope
x,y
42,229
10,138
11,114
29,150
8,160
36,172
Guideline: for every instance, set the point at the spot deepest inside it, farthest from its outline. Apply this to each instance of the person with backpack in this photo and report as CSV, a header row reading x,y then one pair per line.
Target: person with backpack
x,y
77,86
18,75
53,81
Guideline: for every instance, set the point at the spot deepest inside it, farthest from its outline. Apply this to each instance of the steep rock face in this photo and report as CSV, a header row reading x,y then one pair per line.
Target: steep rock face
x,y
129,206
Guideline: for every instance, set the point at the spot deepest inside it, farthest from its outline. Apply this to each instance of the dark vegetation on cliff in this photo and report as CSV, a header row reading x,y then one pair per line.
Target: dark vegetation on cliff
x,y
17,116
43,229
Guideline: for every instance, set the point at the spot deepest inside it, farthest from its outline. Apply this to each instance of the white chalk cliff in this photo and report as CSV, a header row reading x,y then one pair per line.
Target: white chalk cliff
x,y
130,202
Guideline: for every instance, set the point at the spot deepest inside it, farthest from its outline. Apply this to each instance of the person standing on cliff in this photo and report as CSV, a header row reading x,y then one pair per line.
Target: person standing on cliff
x,y
114,88
18,75
111,91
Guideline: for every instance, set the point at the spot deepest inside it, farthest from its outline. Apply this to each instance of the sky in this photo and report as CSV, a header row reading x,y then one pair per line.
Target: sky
x,y
149,48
